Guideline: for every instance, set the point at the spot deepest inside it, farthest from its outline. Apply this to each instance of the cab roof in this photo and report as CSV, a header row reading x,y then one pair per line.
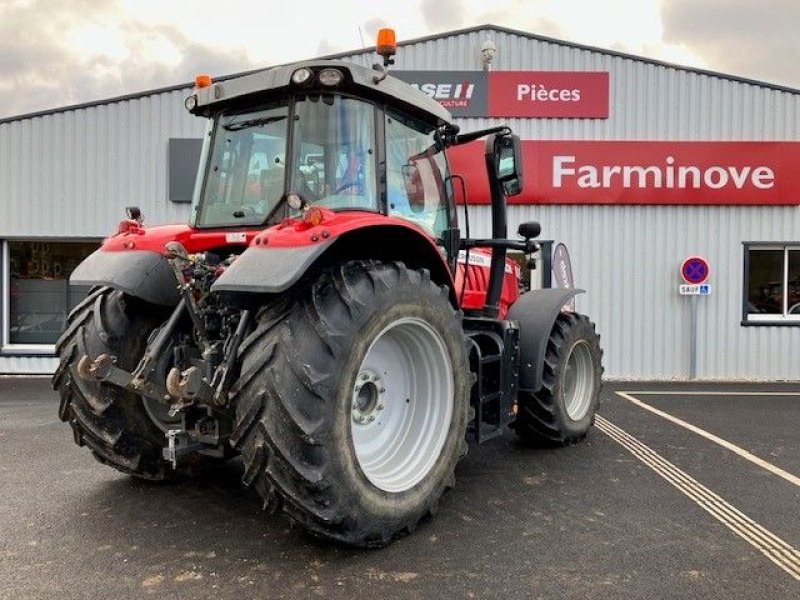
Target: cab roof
x,y
358,81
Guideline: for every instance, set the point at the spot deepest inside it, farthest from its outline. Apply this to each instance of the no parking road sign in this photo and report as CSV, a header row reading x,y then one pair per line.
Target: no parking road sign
x,y
695,270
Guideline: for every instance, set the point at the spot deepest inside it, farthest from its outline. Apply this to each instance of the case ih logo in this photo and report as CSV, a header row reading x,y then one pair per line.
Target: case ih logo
x,y
447,94
463,93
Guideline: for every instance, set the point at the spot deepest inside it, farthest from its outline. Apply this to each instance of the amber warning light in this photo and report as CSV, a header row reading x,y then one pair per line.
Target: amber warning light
x,y
387,45
202,81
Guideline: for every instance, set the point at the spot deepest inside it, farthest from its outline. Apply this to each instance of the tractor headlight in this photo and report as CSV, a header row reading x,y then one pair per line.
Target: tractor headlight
x,y
330,77
190,103
301,76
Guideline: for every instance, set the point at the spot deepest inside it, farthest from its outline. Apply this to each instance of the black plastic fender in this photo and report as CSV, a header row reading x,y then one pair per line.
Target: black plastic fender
x,y
268,270
140,273
536,312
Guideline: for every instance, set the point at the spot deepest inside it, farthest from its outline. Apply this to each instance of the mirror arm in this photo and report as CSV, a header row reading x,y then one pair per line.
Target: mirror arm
x,y
457,140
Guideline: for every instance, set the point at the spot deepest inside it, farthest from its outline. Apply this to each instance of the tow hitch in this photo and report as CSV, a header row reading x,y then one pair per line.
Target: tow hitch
x,y
199,433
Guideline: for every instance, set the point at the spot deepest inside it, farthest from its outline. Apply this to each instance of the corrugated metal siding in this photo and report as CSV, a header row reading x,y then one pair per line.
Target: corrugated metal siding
x,y
648,101
70,174
628,260
27,365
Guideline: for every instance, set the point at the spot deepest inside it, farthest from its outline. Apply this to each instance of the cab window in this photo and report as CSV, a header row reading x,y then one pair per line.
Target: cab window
x,y
334,152
415,174
246,170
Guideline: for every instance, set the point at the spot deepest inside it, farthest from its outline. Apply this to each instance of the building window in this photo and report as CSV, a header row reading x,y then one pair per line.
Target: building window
x,y
772,283
37,296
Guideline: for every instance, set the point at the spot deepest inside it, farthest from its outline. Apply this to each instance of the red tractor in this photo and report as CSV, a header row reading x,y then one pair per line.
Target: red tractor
x,y
322,315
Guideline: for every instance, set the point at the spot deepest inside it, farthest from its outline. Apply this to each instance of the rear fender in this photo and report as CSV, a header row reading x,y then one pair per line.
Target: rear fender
x,y
140,273
271,269
536,312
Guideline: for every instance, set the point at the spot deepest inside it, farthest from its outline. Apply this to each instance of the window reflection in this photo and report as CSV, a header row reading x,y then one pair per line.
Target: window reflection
x,y
41,296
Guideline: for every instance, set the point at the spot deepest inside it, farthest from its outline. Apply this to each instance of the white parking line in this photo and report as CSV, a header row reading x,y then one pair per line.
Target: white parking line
x,y
774,548
707,393
717,440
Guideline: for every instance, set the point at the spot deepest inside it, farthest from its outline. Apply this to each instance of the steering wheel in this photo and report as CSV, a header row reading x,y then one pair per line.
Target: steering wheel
x,y
349,184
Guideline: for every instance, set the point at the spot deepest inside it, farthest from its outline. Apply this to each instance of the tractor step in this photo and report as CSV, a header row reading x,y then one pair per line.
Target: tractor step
x,y
494,359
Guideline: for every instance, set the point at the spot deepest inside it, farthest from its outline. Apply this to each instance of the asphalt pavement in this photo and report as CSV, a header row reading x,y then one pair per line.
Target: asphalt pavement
x,y
659,510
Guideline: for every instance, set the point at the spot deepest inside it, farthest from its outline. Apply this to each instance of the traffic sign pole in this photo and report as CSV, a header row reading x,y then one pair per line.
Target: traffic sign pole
x,y
693,338
694,271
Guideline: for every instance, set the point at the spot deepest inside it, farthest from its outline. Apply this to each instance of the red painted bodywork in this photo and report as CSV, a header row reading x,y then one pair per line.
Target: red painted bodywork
x,y
153,239
297,232
474,296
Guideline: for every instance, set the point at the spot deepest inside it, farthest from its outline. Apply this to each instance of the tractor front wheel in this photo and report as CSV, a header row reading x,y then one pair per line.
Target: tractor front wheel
x,y
352,402
563,410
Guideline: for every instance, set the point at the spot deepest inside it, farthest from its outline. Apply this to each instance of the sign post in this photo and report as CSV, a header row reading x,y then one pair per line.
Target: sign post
x,y
562,271
694,271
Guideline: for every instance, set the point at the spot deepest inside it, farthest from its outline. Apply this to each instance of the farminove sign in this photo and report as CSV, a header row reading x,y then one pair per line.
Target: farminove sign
x,y
567,173
546,94
629,172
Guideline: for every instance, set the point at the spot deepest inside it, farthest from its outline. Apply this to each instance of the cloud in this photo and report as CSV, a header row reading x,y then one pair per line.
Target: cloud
x,y
371,27
440,15
740,37
80,50
326,47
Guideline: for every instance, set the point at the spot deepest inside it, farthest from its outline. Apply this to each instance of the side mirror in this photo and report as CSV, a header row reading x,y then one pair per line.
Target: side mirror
x,y
508,163
135,214
415,190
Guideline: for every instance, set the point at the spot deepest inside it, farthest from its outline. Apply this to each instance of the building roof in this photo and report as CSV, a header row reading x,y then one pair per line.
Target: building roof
x,y
451,33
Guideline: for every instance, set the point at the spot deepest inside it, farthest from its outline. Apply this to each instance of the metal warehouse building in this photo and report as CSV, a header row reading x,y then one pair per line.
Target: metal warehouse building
x,y
634,164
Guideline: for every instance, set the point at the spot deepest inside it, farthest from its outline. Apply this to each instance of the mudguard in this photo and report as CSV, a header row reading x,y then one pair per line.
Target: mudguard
x,y
536,312
268,270
140,273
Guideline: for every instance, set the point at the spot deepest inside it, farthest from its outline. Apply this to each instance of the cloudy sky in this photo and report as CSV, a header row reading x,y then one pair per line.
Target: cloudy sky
x,y
58,52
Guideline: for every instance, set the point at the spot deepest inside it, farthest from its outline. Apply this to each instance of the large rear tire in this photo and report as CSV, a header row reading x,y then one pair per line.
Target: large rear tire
x,y
563,410
122,429
351,407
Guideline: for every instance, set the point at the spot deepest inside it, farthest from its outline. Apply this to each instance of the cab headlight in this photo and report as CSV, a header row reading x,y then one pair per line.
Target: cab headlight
x,y
330,77
301,76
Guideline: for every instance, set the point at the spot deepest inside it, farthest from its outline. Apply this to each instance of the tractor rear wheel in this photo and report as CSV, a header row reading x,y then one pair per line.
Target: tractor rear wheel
x,y
122,429
563,410
352,402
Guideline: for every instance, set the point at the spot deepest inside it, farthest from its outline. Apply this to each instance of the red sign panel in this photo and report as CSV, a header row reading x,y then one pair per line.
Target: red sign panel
x,y
565,94
695,270
621,172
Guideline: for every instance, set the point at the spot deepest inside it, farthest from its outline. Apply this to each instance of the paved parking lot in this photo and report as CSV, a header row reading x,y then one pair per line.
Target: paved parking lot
x,y
681,491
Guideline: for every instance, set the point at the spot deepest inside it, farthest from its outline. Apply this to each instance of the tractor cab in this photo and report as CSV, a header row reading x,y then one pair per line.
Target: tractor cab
x,y
324,134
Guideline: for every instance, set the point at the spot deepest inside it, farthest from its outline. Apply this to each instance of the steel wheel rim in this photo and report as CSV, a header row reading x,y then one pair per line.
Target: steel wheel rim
x,y
579,381
401,405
